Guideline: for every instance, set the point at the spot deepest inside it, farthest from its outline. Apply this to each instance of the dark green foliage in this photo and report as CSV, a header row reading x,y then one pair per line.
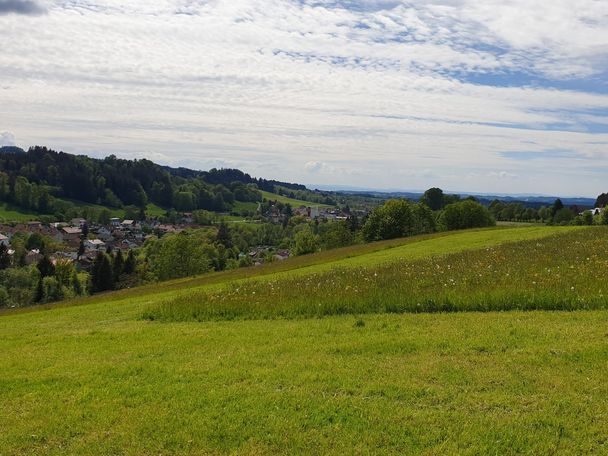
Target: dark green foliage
x,y
336,234
130,263
433,198
465,214
118,265
557,206
34,179
35,241
305,242
102,274
563,216
223,235
5,258
46,267
602,200
397,218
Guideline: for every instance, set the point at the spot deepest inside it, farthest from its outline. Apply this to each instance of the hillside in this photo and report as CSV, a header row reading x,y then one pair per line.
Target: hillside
x,y
45,182
98,377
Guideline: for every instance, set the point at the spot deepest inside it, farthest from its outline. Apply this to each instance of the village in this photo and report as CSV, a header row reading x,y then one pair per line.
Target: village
x,y
79,240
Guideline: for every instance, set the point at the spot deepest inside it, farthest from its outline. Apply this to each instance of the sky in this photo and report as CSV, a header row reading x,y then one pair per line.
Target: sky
x,y
492,96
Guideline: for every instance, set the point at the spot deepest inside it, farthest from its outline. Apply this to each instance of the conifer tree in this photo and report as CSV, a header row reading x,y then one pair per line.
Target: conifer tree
x,y
102,274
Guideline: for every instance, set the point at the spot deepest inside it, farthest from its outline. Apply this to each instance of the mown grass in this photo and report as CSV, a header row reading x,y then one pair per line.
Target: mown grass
x,y
562,272
96,379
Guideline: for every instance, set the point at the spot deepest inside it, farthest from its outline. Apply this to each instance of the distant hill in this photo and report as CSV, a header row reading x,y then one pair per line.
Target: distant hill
x,y
37,180
533,201
11,150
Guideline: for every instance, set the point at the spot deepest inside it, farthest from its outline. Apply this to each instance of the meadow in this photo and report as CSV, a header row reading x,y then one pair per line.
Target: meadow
x,y
565,271
293,202
94,377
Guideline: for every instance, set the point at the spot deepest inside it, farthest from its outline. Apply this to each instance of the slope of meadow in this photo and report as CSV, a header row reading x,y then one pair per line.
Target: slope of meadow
x,y
99,379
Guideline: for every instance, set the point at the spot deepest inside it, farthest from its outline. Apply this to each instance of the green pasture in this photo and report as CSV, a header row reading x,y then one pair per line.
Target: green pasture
x,y
94,377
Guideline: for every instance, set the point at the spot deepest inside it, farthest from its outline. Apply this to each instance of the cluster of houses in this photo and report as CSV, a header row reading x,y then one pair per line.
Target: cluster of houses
x,y
117,234
309,212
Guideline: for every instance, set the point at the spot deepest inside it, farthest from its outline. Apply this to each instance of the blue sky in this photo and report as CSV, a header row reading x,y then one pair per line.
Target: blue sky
x,y
470,95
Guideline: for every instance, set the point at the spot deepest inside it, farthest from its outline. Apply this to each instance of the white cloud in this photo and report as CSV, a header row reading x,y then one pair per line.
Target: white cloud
x,y
7,139
370,93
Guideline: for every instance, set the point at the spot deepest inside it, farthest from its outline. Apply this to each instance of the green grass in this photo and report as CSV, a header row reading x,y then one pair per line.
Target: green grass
x,y
96,378
241,206
152,210
293,202
562,272
9,213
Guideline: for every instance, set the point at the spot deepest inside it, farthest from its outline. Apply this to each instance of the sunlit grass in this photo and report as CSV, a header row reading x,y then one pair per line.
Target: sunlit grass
x,y
562,272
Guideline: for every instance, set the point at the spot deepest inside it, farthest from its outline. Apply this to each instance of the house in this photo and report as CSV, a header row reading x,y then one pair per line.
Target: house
x,y
104,234
34,225
79,222
4,240
94,244
70,233
115,221
128,223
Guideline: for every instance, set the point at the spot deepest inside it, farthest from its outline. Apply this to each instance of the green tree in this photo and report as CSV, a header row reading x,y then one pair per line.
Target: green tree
x,y
223,235
337,234
46,267
5,258
557,206
130,263
465,214
180,255
35,241
563,216
392,220
52,290
5,299
102,275
433,198
587,218
118,265
305,242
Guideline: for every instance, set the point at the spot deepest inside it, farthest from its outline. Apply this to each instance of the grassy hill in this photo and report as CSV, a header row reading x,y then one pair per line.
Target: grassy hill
x,y
99,378
293,202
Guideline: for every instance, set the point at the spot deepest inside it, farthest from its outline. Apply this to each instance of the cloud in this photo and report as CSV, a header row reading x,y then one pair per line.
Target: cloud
x,y
374,93
7,139
24,7
314,166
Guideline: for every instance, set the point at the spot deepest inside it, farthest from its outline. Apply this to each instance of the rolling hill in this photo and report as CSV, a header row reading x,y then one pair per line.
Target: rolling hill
x,y
100,376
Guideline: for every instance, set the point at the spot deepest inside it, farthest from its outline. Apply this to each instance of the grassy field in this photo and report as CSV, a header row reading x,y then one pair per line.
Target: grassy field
x,y
293,202
9,213
562,272
97,378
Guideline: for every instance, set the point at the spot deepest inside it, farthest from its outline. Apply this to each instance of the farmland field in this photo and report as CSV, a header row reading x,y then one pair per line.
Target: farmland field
x,y
12,214
101,378
293,202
